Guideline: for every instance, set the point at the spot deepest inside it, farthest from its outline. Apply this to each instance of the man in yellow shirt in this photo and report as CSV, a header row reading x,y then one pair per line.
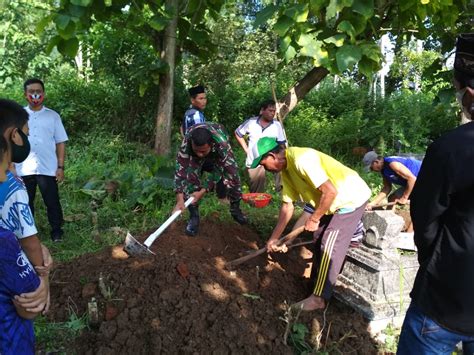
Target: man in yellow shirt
x,y
337,193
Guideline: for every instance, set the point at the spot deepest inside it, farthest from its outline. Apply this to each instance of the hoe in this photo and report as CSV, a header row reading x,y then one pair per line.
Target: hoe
x,y
134,248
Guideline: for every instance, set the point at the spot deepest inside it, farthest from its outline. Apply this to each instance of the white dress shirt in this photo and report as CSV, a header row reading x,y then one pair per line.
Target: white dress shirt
x,y
46,130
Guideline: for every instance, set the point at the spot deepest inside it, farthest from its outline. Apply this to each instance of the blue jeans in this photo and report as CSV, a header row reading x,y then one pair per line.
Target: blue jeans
x,y
422,335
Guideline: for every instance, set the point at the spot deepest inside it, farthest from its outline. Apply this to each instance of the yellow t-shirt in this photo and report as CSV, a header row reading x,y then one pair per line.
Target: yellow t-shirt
x,y
307,169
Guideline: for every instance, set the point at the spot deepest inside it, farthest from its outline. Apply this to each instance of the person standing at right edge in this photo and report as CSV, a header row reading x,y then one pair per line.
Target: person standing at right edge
x,y
44,166
441,313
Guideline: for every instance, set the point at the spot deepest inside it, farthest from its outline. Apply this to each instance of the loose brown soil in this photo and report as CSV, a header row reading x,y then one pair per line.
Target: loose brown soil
x,y
185,301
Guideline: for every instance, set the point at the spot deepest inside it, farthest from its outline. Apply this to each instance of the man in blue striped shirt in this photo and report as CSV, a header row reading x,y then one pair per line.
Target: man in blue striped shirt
x,y
194,114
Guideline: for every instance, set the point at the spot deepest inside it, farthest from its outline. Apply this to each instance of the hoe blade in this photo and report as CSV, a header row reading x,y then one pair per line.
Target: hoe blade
x,y
134,248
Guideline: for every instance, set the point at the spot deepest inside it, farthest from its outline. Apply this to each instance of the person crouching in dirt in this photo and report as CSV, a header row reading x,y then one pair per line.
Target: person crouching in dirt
x,y
394,170
339,195
206,145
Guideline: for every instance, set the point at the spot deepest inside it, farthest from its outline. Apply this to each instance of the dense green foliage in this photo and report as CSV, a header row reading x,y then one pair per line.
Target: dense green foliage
x,y
339,35
337,118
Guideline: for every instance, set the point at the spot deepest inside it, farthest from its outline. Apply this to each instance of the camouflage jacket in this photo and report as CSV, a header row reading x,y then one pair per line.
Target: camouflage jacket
x,y
189,176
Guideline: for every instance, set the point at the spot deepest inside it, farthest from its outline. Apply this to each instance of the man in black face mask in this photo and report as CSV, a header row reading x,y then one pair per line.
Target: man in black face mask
x,y
441,313
44,167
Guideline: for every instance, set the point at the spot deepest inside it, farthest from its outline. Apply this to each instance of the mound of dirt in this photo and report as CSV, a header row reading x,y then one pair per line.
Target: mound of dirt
x,y
184,300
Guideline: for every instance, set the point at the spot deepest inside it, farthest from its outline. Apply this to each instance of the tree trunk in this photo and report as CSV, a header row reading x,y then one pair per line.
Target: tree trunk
x,y
166,85
298,92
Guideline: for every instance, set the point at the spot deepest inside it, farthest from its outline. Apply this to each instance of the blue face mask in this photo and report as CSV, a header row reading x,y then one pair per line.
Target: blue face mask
x,y
20,152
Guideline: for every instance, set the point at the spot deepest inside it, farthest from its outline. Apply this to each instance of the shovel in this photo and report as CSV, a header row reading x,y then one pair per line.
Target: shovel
x,y
134,248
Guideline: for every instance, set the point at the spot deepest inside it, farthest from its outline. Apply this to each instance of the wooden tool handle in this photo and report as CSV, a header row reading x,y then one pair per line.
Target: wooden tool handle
x,y
287,238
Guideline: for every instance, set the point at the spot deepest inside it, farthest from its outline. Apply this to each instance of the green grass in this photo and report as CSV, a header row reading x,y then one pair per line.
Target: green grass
x,y
53,337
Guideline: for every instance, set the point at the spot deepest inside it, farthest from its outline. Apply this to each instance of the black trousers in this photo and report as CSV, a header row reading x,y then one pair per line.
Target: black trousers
x,y
49,191
221,190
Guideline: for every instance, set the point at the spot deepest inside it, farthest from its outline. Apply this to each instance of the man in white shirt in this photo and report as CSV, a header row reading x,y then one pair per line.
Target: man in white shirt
x,y
44,166
255,128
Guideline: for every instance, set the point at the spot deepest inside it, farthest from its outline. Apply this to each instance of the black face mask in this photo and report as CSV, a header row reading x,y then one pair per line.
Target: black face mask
x,y
20,152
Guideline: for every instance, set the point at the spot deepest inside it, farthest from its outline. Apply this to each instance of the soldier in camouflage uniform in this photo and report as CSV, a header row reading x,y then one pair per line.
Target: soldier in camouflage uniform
x,y
206,144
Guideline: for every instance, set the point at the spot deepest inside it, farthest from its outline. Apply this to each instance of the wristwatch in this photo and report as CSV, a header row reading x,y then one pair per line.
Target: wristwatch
x,y
61,167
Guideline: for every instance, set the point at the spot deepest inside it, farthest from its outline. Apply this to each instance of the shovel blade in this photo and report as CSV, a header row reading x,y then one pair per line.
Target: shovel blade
x,y
134,248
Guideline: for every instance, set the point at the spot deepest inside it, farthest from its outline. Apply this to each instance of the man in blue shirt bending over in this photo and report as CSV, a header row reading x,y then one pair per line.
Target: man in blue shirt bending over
x,y
395,170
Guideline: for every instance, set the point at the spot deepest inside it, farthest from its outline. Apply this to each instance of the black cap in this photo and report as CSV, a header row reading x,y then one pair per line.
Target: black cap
x,y
464,60
196,90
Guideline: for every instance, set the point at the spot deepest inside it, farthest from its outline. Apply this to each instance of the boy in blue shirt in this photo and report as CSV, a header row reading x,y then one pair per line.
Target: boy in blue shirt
x,y
17,277
15,213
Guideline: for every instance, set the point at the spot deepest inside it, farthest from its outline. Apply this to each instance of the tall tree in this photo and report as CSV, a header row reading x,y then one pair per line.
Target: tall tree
x,y
163,24
339,35
165,100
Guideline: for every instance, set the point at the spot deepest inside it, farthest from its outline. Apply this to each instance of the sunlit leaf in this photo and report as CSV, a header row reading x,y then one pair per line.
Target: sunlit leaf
x,y
290,53
337,40
310,47
336,6
285,42
298,13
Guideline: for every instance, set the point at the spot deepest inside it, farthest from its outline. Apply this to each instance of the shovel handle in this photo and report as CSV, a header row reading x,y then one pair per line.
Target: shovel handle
x,y
287,238
149,241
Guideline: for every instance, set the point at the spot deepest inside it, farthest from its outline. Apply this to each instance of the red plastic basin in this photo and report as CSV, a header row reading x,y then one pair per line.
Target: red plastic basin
x,y
257,199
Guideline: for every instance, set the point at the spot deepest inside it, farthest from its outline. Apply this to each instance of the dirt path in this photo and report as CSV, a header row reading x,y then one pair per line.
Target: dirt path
x,y
183,300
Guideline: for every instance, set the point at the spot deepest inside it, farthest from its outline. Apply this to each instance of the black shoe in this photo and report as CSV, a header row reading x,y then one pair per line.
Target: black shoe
x,y
57,238
192,227
237,214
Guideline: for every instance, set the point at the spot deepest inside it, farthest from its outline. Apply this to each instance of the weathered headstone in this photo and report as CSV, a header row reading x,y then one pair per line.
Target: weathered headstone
x,y
377,278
